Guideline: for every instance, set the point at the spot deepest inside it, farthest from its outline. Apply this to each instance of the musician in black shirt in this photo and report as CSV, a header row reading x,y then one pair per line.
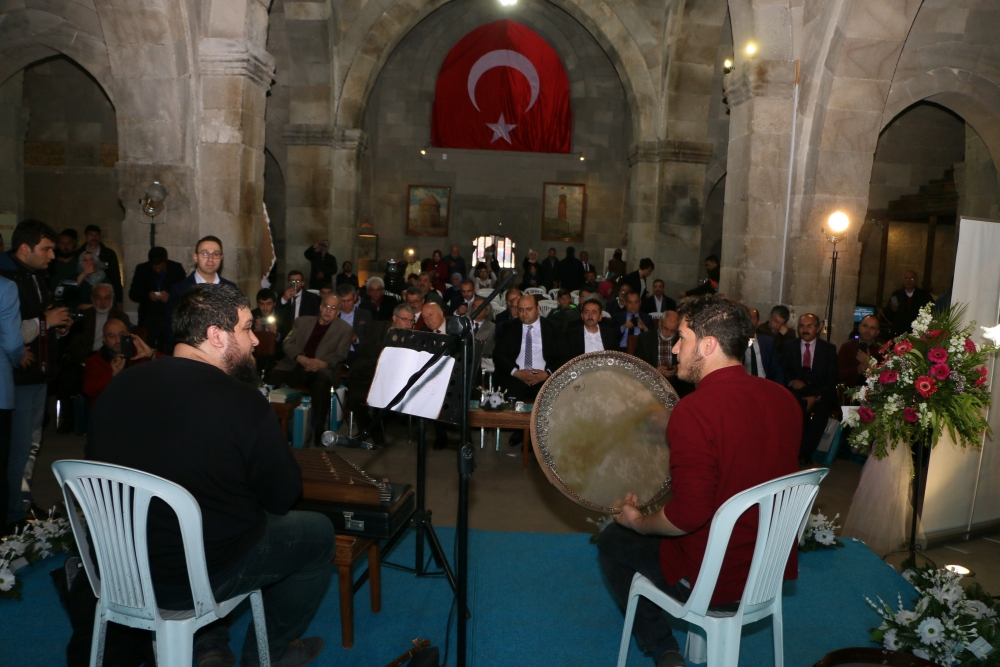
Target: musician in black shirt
x,y
199,420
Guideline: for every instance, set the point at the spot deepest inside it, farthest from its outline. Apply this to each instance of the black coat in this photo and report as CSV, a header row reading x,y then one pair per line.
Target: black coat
x,y
548,269
647,348
634,280
820,380
570,273
902,319
649,304
309,307
112,269
572,345
618,319
320,263
383,312
507,349
176,292
362,370
146,280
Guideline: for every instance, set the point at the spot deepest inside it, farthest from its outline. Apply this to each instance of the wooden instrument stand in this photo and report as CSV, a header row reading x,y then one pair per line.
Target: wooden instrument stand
x,y
349,549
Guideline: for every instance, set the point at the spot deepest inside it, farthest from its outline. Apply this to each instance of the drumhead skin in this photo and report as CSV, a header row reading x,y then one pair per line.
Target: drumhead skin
x,y
599,428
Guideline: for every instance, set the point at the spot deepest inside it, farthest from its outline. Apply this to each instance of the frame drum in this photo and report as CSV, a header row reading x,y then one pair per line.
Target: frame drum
x,y
599,426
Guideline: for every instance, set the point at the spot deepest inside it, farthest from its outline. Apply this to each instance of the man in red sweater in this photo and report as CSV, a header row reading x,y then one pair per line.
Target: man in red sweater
x,y
733,432
102,366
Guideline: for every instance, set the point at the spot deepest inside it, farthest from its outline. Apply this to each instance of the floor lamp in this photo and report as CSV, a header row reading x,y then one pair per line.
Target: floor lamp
x,y
836,231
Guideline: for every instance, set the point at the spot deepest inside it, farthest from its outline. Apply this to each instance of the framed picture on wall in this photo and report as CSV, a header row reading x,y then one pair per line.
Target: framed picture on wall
x,y
428,210
367,247
564,209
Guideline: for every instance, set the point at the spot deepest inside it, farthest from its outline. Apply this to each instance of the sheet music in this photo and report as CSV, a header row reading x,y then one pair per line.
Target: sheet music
x,y
425,398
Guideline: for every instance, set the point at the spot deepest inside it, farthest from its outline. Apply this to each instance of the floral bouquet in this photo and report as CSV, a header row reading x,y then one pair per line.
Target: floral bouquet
x,y
493,400
819,533
947,625
37,540
928,380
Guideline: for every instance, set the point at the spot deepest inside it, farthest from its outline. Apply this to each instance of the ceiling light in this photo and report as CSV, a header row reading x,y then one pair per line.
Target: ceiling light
x,y
508,3
582,158
751,49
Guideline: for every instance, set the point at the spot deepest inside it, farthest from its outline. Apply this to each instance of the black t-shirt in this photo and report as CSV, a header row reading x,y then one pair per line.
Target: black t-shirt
x,y
191,423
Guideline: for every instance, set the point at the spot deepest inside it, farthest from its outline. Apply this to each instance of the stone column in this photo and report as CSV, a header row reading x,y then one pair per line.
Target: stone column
x,y
643,158
678,243
308,191
349,146
12,129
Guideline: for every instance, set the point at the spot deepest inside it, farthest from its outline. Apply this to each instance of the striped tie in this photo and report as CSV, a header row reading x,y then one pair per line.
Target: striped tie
x,y
527,348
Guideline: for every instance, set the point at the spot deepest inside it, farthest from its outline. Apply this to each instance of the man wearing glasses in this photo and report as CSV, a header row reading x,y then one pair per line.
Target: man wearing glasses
x,y
314,350
208,263
297,301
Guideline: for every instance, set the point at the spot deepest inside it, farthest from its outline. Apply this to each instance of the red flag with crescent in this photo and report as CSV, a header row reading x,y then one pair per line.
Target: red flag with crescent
x,y
502,87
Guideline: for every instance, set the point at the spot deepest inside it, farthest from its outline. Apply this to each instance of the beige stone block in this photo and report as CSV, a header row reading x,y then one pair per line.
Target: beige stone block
x,y
848,130
307,11
699,43
220,160
221,126
769,149
220,194
843,173
222,92
227,19
687,130
858,94
765,219
771,115
766,184
889,21
868,58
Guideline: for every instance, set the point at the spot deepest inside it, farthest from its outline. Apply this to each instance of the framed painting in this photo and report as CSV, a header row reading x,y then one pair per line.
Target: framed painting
x,y
564,209
428,209
368,246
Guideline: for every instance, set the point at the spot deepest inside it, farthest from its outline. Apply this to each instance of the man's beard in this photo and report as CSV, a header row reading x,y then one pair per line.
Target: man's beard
x,y
665,338
63,254
692,372
242,367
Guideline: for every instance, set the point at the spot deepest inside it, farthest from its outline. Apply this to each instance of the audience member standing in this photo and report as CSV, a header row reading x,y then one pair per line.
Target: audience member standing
x,y
810,367
31,250
637,279
711,285
346,275
656,348
549,270
616,266
323,265
531,278
854,355
150,288
296,300
587,266
777,327
12,355
905,303
657,302
531,259
64,266
570,271
207,270
106,258
587,334
378,303
437,270
456,263
631,322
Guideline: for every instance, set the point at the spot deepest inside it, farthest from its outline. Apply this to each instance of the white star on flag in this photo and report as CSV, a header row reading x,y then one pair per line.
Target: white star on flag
x,y
501,129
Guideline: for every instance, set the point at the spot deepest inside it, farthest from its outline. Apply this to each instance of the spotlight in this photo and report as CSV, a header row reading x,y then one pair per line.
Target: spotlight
x,y
508,3
959,569
727,66
837,224
582,158
152,201
751,49
423,151
836,231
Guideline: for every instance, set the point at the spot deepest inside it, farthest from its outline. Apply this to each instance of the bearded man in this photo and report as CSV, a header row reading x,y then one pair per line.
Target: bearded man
x,y
198,419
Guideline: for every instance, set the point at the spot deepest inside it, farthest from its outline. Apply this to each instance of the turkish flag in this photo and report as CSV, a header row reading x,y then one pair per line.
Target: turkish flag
x,y
502,87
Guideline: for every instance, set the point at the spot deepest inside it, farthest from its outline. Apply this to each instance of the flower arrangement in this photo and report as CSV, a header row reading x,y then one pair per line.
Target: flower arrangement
x,y
494,399
947,625
819,533
928,380
37,540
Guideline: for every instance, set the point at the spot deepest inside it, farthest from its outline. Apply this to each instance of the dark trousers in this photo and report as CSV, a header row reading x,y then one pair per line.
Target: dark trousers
x,y
518,389
623,552
814,423
5,422
292,565
319,389
69,383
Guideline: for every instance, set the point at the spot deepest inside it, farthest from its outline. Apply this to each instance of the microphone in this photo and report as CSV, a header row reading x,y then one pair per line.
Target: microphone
x,y
459,324
331,439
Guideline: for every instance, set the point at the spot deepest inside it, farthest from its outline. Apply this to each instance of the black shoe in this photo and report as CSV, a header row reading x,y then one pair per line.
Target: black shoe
x,y
214,653
671,659
516,439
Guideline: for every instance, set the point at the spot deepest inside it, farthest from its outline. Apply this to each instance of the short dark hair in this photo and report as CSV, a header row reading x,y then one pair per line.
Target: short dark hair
x,y
712,258
659,281
70,232
296,272
213,239
781,311
346,289
205,306
91,228
646,263
157,255
31,232
564,292
413,289
726,320
594,300
467,282
267,294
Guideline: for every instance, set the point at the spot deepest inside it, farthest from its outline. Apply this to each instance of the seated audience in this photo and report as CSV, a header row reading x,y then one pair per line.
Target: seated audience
x,y
349,312
761,358
466,297
437,271
905,304
455,263
414,298
631,322
531,278
105,259
810,367
314,350
714,455
657,302
205,426
105,364
590,291
711,284
587,334
378,303
453,294
431,294
656,348
267,318
150,288
485,279
297,301
617,305
854,355
346,275
325,290
637,279
566,313
431,319
776,327
525,355
509,315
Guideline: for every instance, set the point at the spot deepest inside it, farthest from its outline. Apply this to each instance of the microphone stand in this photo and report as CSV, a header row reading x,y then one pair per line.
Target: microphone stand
x,y
466,466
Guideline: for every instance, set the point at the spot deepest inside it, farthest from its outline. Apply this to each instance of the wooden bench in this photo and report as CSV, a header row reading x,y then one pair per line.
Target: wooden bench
x,y
349,549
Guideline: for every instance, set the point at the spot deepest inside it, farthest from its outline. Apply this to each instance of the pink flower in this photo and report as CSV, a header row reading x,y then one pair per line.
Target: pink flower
x,y
866,415
970,347
932,334
925,385
940,371
937,355
910,415
903,348
982,376
888,377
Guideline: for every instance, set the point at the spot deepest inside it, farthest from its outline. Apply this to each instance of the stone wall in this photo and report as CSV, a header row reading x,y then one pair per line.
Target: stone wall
x,y
493,191
976,180
11,152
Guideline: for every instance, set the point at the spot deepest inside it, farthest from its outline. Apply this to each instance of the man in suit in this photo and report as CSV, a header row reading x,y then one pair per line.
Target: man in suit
x,y
657,302
322,264
296,300
526,353
761,358
314,350
587,334
413,296
570,271
150,288
106,259
811,372
509,315
631,322
378,303
208,264
905,304
549,270
777,327
483,328
587,266
349,312
637,279
431,295
431,319
656,348
12,353
267,318
463,304
617,304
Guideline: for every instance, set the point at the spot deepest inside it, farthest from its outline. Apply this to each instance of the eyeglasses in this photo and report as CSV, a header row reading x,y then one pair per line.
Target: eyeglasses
x,y
331,307
204,254
408,320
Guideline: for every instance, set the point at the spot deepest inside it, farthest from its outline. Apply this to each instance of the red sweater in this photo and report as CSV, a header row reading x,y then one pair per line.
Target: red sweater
x,y
734,432
97,373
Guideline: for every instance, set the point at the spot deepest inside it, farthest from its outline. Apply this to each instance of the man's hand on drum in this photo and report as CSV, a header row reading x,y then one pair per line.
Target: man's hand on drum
x,y
626,512
667,372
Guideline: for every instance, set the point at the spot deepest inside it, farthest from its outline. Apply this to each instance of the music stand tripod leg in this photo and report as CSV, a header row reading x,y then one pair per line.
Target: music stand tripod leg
x,y
422,516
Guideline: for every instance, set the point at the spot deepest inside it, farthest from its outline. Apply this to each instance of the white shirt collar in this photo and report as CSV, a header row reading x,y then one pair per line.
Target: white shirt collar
x,y
198,280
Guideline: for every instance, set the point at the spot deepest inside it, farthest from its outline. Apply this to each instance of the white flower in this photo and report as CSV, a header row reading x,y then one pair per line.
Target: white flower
x,y
16,546
495,401
905,616
890,641
816,520
976,609
948,595
930,630
825,537
6,579
44,553
921,653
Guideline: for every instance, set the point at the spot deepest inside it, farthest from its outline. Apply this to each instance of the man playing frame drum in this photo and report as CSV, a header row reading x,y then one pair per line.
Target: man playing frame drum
x,y
733,432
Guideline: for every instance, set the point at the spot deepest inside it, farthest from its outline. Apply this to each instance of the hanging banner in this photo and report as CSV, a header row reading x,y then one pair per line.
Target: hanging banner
x,y
502,87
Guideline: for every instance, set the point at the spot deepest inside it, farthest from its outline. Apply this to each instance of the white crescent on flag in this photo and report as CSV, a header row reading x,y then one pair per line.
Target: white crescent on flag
x,y
504,58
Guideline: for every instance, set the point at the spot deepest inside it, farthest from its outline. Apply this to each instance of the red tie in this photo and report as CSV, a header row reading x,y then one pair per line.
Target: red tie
x,y
807,358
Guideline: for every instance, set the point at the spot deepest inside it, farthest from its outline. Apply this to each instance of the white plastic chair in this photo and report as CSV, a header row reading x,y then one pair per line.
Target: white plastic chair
x,y
115,502
658,315
536,290
605,314
554,293
784,505
546,306
496,307
484,292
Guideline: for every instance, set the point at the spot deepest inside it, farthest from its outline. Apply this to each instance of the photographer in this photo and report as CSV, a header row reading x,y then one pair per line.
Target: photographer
x,y
31,250
119,351
323,264
853,356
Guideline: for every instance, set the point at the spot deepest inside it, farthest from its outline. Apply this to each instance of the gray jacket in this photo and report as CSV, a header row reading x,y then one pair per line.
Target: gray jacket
x,y
332,348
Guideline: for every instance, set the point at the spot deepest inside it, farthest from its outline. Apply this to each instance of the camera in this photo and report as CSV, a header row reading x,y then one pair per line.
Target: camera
x,y
324,244
863,346
65,290
128,346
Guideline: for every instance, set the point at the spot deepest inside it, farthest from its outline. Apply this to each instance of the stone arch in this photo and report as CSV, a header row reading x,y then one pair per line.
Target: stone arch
x,y
599,20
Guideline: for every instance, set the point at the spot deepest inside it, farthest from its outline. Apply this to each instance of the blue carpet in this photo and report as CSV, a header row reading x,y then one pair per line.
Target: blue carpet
x,y
537,599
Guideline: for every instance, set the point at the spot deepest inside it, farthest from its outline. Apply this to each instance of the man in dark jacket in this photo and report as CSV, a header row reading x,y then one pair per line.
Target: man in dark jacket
x,y
570,271
31,250
589,333
631,322
208,269
811,372
106,259
905,304
378,303
549,270
323,265
657,302
637,279
656,346
150,288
